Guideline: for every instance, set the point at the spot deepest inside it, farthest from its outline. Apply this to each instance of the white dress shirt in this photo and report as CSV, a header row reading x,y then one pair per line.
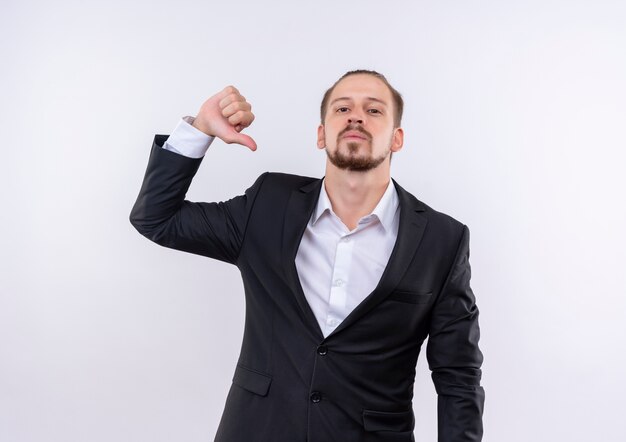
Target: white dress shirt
x,y
338,268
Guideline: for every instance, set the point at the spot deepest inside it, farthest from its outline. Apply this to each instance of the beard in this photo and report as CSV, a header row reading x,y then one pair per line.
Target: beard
x,y
348,158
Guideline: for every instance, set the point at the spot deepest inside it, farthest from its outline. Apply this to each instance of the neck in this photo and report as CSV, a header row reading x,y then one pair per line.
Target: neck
x,y
355,194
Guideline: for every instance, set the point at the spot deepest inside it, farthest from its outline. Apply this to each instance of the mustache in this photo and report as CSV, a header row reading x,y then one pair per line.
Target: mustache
x,y
355,128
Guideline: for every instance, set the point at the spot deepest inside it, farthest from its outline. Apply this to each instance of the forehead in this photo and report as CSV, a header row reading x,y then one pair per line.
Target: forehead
x,y
361,86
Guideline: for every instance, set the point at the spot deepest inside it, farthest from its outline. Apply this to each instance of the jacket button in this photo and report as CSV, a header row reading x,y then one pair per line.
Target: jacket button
x,y
316,397
322,350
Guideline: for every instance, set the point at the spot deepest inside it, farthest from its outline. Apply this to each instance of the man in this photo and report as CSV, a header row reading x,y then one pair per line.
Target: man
x,y
344,277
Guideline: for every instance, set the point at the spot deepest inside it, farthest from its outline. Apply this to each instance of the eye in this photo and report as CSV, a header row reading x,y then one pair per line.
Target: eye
x,y
342,109
374,111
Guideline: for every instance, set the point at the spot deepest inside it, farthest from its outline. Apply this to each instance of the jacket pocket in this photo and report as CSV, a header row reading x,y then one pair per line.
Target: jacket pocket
x,y
411,297
388,421
252,380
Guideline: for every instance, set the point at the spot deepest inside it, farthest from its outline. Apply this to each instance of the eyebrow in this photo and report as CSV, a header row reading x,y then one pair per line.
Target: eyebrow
x,y
378,100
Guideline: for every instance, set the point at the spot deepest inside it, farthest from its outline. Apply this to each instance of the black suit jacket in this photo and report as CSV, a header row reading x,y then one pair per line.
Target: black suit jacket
x,y
293,385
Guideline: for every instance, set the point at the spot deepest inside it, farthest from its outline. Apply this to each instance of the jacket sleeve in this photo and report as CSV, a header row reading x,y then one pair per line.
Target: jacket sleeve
x,y
162,214
453,354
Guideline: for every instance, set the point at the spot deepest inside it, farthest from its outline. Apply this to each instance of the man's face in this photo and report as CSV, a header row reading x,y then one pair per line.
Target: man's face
x,y
358,132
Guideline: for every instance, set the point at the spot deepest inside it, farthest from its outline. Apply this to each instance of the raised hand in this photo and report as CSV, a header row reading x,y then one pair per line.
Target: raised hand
x,y
225,115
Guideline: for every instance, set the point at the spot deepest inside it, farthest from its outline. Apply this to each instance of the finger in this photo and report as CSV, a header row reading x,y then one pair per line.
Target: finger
x,y
242,139
232,108
229,99
243,118
230,89
241,126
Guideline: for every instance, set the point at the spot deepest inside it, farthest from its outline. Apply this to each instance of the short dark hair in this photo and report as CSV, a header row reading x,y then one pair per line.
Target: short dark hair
x,y
398,102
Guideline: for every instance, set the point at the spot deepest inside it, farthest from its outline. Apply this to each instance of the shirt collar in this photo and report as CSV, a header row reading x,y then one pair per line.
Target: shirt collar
x,y
385,210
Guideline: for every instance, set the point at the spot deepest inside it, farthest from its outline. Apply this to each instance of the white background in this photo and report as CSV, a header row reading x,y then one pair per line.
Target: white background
x,y
515,125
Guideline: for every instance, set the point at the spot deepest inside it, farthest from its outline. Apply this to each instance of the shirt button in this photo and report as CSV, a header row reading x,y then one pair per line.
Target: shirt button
x,y
345,239
316,397
332,322
339,282
322,350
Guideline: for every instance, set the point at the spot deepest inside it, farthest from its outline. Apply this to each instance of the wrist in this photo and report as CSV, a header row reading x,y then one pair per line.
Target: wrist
x,y
201,127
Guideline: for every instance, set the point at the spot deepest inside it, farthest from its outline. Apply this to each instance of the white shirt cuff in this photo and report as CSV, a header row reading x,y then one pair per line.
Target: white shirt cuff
x,y
188,141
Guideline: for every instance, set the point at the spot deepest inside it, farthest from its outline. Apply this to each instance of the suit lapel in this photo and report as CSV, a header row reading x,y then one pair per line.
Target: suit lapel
x,y
410,232
300,207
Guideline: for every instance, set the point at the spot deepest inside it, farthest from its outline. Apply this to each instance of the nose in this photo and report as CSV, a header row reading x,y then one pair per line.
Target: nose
x,y
355,120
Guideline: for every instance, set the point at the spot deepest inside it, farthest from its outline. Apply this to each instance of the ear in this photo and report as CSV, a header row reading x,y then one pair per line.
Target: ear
x,y
397,141
321,137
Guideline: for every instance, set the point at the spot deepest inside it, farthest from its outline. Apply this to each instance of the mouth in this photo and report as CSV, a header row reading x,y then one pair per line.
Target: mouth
x,y
354,136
